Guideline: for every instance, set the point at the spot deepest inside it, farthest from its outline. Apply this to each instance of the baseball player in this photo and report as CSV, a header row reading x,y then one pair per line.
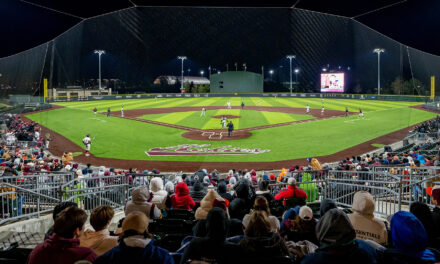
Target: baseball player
x,y
108,112
322,110
95,110
228,104
361,114
122,111
223,121
259,102
346,111
307,109
203,113
87,142
242,105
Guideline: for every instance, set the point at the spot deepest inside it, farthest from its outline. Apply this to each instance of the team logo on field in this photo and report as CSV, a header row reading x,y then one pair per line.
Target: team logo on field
x,y
202,150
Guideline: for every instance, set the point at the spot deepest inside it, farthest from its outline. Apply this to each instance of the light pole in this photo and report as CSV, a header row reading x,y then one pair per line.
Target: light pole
x,y
296,74
99,52
378,51
271,73
181,83
290,57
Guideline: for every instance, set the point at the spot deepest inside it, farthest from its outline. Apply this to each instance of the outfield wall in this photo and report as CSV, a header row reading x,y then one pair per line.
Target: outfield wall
x,y
283,95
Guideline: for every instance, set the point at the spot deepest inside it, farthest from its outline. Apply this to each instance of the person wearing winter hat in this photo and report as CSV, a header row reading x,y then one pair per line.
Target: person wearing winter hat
x,y
136,244
262,205
197,191
367,226
214,245
326,205
292,191
141,201
434,192
301,227
410,242
206,204
338,243
159,194
423,213
222,191
181,198
263,190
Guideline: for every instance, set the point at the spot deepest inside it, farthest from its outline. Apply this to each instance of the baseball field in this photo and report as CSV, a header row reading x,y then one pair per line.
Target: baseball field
x,y
266,130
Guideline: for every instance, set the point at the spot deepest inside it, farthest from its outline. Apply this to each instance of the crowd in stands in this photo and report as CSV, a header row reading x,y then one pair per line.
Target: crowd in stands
x,y
430,126
236,222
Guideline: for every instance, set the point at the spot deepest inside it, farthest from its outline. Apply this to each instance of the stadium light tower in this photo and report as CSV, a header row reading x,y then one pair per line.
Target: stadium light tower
x,y
99,52
290,57
271,73
296,74
181,83
378,51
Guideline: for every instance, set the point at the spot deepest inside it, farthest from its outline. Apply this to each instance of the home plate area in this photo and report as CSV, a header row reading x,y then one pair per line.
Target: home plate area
x,y
215,135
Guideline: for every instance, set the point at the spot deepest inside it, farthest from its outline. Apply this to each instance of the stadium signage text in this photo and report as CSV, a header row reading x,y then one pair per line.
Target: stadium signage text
x,y
201,150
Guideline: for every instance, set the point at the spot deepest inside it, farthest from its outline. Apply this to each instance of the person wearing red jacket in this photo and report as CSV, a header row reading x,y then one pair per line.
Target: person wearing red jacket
x,y
63,246
181,199
292,191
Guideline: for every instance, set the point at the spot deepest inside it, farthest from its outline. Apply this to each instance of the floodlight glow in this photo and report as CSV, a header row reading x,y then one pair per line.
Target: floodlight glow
x,y
296,70
271,72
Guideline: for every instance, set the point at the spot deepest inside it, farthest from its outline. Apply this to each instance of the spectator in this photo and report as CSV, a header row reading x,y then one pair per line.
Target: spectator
x,y
99,240
301,227
338,243
197,191
63,246
434,192
242,203
259,240
181,198
310,187
423,213
206,204
213,247
367,227
261,204
263,187
314,163
410,242
326,204
169,187
141,201
222,191
58,208
66,158
135,244
292,191
159,194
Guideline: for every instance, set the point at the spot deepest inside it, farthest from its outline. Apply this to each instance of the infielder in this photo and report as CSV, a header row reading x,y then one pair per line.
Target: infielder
x,y
307,109
122,111
259,102
322,110
87,142
346,111
361,114
95,110
203,112
228,104
108,112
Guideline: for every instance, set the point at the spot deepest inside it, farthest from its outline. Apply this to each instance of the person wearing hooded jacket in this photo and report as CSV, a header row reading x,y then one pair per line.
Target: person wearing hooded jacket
x,y
263,190
213,247
367,226
243,201
326,205
410,242
181,198
222,191
197,191
338,243
159,194
141,201
206,204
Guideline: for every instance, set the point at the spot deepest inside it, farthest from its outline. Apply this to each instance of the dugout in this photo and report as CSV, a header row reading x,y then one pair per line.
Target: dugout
x,y
236,82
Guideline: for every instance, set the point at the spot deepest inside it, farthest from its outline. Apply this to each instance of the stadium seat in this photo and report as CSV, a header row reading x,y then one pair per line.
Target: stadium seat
x,y
293,202
180,214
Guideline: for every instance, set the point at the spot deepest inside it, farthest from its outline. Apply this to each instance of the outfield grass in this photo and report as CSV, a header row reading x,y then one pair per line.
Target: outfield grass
x,y
247,118
128,139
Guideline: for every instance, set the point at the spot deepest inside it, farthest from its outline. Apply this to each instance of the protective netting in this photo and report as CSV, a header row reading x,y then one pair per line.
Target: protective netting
x,y
142,43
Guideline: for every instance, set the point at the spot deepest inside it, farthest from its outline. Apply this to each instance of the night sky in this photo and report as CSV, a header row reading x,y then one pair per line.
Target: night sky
x,y
412,22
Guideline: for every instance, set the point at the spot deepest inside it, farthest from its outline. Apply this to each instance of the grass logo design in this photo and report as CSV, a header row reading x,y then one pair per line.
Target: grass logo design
x,y
200,150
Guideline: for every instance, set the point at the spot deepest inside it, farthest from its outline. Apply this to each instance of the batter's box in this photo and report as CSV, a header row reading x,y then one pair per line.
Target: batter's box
x,y
213,135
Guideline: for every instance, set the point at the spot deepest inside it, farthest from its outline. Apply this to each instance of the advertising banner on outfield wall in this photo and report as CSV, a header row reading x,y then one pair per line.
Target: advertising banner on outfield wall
x,y
284,95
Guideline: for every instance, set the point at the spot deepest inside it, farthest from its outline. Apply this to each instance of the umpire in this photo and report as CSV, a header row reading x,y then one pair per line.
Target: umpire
x,y
230,128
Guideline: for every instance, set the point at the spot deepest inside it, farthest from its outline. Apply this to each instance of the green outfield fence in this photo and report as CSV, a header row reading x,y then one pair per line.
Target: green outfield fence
x,y
283,95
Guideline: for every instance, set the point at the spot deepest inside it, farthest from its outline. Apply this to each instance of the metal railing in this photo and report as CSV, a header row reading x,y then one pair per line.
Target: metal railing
x,y
393,188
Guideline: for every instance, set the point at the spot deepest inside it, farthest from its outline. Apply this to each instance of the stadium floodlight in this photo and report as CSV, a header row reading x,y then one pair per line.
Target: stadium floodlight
x,y
324,69
378,51
218,72
99,52
296,74
290,57
271,73
181,81
201,73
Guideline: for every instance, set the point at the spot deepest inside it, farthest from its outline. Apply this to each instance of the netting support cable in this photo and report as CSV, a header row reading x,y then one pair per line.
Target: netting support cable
x,y
132,3
51,9
380,8
297,2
